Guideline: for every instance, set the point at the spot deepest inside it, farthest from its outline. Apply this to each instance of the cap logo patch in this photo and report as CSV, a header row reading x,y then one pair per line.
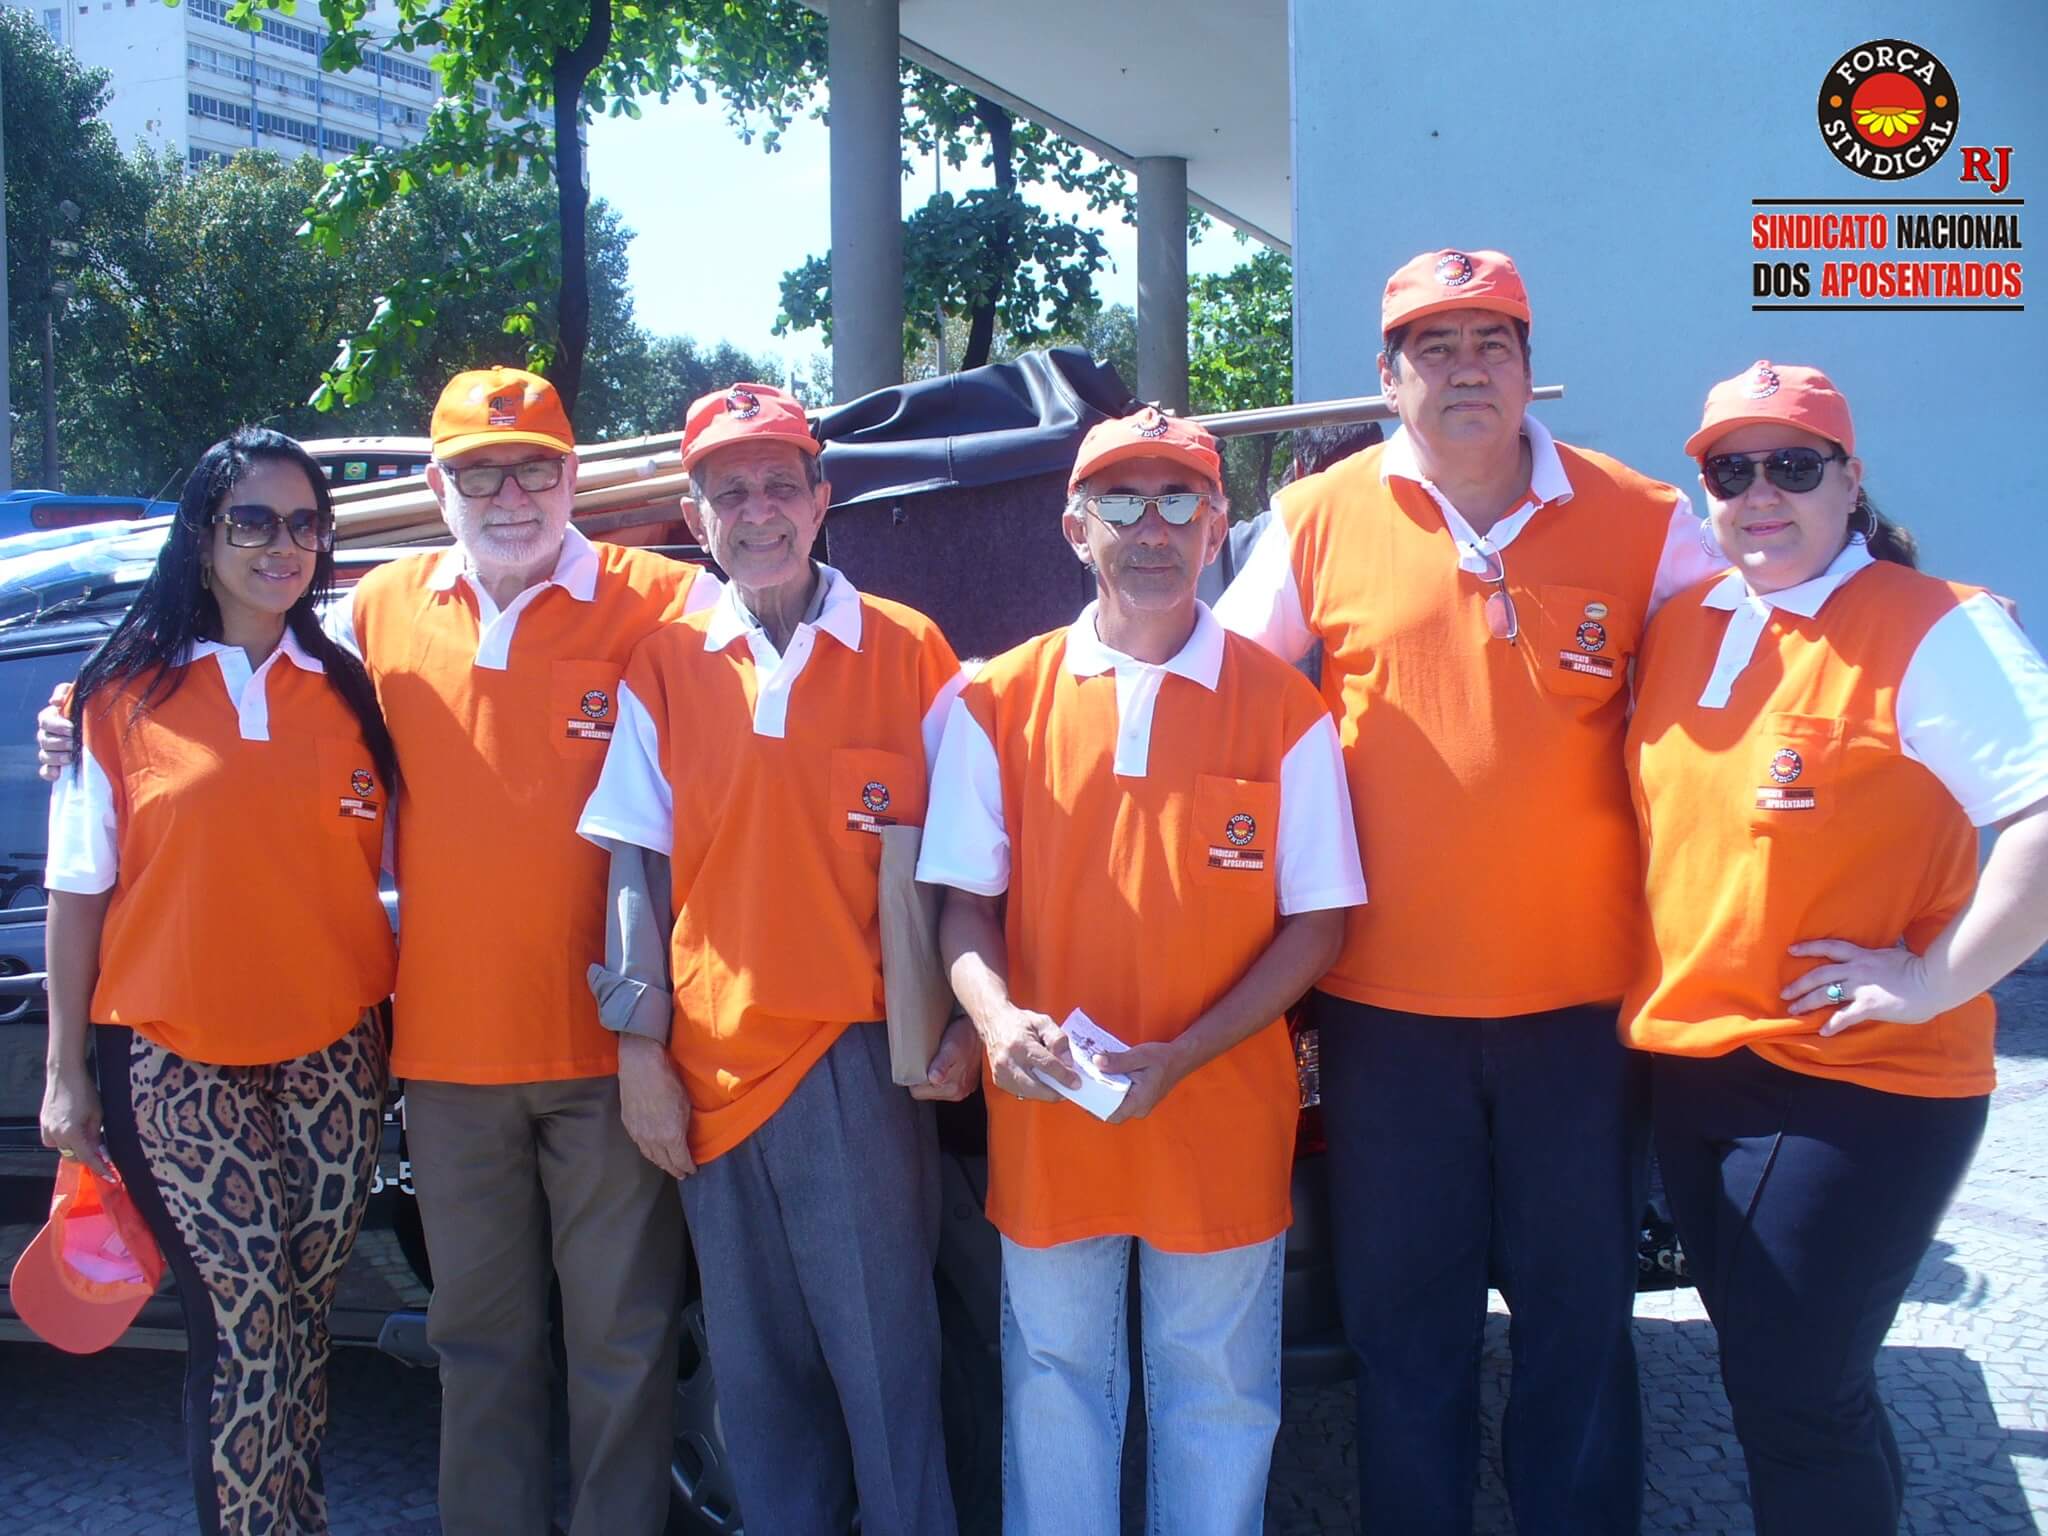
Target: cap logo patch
x,y
595,703
1592,635
1240,829
1785,766
1454,269
361,782
743,403
1152,424
1763,382
504,410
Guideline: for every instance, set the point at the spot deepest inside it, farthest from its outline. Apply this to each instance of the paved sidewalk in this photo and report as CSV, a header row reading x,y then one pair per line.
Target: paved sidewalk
x,y
90,1447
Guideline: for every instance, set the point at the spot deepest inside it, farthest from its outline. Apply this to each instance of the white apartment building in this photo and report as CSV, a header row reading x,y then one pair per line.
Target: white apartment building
x,y
181,76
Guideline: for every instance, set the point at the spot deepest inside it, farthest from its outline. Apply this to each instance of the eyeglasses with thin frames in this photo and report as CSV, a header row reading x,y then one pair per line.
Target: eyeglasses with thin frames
x,y
1123,511
1502,622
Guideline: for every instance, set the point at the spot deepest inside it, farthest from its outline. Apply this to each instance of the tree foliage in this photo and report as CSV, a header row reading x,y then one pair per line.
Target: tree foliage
x,y
57,150
1241,357
208,313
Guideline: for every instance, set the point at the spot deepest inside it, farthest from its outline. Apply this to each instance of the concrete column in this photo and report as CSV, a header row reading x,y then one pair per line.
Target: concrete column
x,y
867,196
1163,281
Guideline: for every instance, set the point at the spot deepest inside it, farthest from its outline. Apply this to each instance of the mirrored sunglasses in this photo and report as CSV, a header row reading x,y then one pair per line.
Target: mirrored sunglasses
x,y
251,526
1797,470
1179,508
489,479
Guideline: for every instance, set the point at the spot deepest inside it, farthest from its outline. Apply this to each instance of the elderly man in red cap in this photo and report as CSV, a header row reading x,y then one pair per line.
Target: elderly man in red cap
x,y
1479,590
1144,827
762,743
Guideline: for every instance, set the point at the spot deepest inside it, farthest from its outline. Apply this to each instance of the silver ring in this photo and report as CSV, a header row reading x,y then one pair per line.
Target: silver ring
x,y
1835,992
67,1154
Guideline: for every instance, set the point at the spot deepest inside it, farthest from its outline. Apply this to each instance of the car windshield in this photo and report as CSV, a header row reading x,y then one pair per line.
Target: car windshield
x,y
25,682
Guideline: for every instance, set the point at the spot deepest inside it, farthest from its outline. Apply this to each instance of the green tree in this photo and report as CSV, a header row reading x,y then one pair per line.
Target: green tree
x,y
659,378
57,151
209,313
1241,357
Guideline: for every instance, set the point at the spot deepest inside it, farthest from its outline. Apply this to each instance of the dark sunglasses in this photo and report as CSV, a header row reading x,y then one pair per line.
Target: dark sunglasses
x,y
489,479
254,527
1179,508
1797,470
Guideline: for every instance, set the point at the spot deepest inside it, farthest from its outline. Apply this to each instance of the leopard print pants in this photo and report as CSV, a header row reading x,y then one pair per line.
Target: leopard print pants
x,y
253,1180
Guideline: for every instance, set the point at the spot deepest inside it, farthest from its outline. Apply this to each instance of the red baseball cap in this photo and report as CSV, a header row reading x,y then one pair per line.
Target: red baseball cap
x,y
745,413
1147,434
1452,279
82,1279
1786,393
487,406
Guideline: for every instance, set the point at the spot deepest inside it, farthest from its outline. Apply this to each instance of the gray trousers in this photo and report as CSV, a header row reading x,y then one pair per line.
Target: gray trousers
x,y
521,1183
815,1239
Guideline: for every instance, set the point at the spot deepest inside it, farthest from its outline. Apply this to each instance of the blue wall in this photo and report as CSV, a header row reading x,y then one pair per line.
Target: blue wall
x,y
1612,148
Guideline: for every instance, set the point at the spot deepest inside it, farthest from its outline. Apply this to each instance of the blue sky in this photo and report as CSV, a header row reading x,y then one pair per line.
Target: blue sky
x,y
717,222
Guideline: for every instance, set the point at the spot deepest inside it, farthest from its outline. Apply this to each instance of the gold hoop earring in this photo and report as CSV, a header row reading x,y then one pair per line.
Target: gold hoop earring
x,y
206,575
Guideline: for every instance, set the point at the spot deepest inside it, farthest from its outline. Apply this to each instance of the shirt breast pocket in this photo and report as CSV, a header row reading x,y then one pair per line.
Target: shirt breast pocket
x,y
583,706
1584,638
1794,775
351,798
1235,836
872,789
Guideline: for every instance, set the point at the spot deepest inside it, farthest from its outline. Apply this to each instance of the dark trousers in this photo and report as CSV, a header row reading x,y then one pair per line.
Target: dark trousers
x,y
815,1239
1464,1147
522,1185
1805,1206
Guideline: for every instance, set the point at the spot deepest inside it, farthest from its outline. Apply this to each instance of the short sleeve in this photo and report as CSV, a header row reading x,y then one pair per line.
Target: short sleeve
x,y
1316,863
84,826
940,677
702,591
1690,556
1973,707
1263,601
338,619
633,802
966,839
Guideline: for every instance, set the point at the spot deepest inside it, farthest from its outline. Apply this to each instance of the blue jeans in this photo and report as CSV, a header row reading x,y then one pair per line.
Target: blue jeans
x,y
1461,1149
1210,1326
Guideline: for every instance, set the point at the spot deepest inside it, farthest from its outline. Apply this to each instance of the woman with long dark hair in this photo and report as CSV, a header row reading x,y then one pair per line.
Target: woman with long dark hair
x,y
1820,736
214,919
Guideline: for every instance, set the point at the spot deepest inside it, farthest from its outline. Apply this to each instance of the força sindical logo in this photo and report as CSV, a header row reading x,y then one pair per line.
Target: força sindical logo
x,y
1888,109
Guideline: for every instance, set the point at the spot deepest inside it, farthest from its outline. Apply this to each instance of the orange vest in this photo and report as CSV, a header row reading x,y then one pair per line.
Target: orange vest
x,y
1118,905
244,925
1486,778
500,902
1792,814
776,946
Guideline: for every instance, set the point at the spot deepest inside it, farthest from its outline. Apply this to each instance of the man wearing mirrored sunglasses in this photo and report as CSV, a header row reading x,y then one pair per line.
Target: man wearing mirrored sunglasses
x,y
1142,818
1479,590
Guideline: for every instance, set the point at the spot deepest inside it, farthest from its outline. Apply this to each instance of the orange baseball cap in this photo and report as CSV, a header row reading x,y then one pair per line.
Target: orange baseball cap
x,y
488,406
1788,394
82,1279
1146,434
744,413
1451,279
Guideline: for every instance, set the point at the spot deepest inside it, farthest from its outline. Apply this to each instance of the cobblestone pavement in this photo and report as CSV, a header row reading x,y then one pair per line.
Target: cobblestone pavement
x,y
90,1447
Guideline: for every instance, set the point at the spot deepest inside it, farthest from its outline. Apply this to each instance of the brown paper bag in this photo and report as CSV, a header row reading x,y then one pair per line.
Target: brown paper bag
x,y
920,999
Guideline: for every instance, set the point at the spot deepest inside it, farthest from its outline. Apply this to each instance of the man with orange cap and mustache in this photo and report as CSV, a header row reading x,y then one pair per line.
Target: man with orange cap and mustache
x,y
1479,589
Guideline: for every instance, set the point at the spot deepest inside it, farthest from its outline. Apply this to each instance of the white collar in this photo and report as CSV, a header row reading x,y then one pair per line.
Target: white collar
x,y
1547,480
1731,591
288,647
575,568
838,613
1199,661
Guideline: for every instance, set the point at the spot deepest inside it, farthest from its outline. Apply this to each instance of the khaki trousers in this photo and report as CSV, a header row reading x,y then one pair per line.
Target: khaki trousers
x,y
520,1184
